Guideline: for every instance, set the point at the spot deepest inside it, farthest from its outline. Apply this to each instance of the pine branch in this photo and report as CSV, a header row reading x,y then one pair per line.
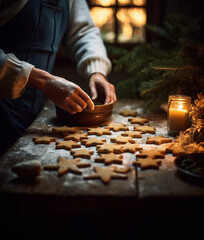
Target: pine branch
x,y
161,33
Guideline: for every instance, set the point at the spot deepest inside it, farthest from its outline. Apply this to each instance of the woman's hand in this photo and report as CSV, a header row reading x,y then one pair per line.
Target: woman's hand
x,y
67,95
101,89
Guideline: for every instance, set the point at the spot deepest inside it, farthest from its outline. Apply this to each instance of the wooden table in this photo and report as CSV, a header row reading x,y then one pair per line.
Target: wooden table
x,y
139,204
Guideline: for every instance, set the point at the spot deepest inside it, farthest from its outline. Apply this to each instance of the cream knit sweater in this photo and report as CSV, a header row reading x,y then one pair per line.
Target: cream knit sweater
x,y
82,42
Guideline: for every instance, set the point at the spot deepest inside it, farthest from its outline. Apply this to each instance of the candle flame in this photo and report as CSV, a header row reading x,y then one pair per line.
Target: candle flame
x,y
180,106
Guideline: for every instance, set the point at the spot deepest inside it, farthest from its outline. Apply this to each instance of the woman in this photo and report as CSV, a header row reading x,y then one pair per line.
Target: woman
x,y
30,34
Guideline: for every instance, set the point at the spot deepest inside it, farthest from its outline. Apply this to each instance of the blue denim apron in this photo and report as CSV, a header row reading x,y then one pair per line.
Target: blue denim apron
x,y
34,36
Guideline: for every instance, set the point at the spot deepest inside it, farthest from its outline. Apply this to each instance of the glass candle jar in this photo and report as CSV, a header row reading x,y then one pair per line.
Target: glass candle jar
x,y
178,114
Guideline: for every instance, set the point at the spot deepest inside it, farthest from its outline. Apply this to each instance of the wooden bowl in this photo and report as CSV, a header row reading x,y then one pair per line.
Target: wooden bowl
x,y
100,114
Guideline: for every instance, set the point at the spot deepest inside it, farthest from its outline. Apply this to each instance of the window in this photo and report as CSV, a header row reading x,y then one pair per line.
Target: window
x,y
120,21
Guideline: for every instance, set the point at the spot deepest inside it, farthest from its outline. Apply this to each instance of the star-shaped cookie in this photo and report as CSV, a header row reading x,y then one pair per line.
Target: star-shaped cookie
x,y
138,120
133,134
128,113
132,148
122,140
67,145
65,165
150,153
92,142
83,153
117,127
44,140
109,158
145,129
158,140
109,147
147,163
64,130
105,174
76,136
99,131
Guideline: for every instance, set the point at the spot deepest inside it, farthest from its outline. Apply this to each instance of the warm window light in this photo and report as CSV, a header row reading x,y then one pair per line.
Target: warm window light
x,y
121,22
139,2
101,15
135,2
137,16
105,3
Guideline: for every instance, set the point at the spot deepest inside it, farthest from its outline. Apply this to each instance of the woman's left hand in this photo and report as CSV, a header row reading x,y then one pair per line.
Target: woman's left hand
x,y
101,88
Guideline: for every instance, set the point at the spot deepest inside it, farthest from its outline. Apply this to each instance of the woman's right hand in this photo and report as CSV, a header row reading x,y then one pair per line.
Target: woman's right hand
x,y
65,94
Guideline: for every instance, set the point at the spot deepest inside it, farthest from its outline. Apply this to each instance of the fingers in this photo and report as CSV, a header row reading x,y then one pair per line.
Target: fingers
x,y
87,100
93,91
110,94
100,86
78,101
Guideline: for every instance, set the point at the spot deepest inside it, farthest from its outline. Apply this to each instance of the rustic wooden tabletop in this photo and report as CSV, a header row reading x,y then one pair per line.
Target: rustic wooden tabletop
x,y
144,191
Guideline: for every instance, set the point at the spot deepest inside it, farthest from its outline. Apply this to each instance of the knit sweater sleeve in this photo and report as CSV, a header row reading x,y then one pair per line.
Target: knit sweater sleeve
x,y
83,42
13,75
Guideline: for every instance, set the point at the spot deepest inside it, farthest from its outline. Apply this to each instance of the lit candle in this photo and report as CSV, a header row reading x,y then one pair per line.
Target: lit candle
x,y
178,117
